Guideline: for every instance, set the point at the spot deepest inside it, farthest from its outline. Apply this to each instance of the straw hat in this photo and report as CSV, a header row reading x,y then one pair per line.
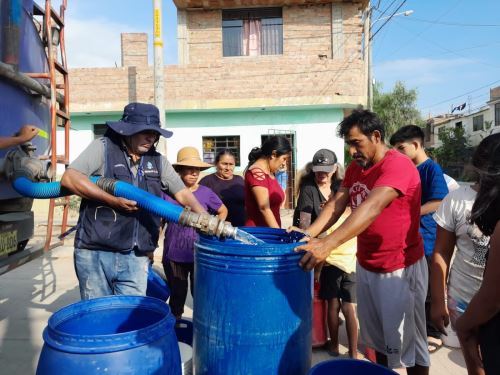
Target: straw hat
x,y
189,157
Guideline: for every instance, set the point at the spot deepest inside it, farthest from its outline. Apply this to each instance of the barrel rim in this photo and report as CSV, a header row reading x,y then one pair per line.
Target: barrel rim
x,y
210,244
107,343
366,364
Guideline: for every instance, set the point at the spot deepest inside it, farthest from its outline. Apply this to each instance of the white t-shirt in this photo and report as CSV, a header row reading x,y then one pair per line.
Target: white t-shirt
x,y
466,273
450,182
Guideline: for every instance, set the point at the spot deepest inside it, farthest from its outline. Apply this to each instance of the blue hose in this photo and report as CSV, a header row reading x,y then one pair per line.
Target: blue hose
x,y
148,201
145,200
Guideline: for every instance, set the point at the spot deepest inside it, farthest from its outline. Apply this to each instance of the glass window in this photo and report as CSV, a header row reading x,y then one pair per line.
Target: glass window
x,y
213,144
478,123
252,32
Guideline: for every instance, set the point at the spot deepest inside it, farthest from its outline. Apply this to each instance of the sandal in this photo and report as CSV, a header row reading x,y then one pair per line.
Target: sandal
x,y
434,344
333,353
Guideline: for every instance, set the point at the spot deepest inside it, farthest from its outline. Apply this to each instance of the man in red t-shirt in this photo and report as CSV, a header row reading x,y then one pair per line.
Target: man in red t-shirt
x,y
383,190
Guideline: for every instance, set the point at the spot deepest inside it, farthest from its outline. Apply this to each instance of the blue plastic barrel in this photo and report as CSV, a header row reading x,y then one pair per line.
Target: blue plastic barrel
x,y
349,367
252,306
157,287
111,335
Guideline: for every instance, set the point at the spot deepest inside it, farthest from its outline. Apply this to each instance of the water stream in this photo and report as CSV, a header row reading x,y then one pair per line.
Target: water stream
x,y
247,238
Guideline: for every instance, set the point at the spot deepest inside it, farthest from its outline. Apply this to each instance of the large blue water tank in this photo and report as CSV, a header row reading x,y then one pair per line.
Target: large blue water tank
x,y
252,307
111,335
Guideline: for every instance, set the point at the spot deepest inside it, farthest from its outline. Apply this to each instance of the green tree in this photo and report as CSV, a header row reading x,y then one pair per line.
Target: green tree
x,y
396,108
454,152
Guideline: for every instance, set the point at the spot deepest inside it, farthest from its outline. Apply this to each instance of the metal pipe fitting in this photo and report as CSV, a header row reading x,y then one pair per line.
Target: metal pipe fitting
x,y
207,224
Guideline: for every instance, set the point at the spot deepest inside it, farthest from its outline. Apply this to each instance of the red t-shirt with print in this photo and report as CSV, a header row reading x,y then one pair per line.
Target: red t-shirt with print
x,y
257,177
393,240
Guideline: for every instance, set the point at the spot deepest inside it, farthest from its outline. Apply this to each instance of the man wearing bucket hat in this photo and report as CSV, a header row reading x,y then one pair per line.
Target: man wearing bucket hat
x,y
178,247
114,237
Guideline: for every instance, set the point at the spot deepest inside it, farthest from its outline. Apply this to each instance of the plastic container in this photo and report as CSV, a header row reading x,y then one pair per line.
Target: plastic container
x,y
319,332
113,335
252,306
157,287
349,367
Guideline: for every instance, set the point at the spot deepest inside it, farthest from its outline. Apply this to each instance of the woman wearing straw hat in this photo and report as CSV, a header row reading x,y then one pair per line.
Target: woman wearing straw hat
x,y
178,246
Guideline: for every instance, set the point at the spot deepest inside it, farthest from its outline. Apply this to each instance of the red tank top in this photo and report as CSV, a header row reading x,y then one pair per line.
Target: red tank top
x,y
276,197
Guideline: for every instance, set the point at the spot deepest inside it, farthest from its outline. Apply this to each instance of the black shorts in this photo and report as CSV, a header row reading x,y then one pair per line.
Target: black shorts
x,y
335,283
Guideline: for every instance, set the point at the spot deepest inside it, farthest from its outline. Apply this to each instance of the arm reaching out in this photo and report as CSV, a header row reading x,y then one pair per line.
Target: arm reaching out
x,y
80,185
25,134
317,250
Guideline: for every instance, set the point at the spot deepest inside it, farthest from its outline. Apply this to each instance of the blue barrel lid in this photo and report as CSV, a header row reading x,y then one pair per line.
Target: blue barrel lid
x,y
106,343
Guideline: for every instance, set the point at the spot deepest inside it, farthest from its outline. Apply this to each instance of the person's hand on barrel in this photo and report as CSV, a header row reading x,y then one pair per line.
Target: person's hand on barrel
x,y
317,250
293,228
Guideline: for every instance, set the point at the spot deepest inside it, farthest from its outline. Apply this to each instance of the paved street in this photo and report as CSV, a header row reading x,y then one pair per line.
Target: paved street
x,y
32,292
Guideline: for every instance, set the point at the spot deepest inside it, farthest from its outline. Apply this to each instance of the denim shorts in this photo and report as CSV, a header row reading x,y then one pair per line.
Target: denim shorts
x,y
102,273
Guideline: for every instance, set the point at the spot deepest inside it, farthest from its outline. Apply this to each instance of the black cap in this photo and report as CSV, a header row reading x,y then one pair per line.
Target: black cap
x,y
324,160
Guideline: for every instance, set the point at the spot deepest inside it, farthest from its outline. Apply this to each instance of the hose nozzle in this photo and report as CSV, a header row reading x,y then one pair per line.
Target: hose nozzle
x,y
207,224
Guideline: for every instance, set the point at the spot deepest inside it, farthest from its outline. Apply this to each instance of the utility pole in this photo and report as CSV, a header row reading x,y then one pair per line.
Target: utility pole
x,y
159,83
368,56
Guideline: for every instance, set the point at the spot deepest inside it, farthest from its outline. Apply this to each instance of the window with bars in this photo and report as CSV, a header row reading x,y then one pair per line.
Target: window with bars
x,y
478,123
99,130
252,32
213,144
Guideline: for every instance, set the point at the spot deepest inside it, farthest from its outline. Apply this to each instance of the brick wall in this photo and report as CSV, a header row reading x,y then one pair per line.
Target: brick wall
x,y
134,49
298,77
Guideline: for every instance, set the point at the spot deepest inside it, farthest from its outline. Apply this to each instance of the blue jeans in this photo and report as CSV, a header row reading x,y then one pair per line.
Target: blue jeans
x,y
102,273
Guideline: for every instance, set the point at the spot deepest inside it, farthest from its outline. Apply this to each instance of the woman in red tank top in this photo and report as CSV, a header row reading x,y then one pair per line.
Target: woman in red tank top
x,y
263,194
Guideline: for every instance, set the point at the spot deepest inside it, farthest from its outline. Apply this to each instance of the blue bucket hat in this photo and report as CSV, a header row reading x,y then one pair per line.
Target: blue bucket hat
x,y
138,117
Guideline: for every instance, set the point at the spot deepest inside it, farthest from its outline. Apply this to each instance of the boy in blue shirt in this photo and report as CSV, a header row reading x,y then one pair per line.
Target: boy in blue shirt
x,y
409,140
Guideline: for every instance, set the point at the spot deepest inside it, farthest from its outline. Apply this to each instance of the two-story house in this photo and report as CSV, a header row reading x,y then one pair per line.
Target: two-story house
x,y
477,124
247,69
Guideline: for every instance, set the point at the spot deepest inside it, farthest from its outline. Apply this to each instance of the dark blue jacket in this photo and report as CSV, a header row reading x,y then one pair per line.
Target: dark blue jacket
x,y
101,227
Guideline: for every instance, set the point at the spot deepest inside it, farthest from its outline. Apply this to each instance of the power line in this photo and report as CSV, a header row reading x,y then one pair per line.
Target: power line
x,y
462,95
407,42
451,51
385,10
447,49
387,20
414,19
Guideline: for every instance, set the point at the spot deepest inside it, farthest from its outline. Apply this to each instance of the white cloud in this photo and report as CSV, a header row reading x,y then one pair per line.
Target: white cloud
x,y
418,72
94,42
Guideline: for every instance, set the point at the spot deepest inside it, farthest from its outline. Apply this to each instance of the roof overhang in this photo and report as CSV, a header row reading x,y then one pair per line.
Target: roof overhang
x,y
228,4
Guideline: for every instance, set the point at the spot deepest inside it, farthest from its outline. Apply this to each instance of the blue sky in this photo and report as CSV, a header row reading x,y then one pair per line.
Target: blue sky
x,y
448,64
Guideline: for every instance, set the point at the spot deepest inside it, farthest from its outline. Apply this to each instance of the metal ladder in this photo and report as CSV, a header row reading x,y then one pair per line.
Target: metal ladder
x,y
53,38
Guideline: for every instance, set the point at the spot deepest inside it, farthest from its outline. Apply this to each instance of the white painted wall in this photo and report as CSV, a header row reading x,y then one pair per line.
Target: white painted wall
x,y
309,138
